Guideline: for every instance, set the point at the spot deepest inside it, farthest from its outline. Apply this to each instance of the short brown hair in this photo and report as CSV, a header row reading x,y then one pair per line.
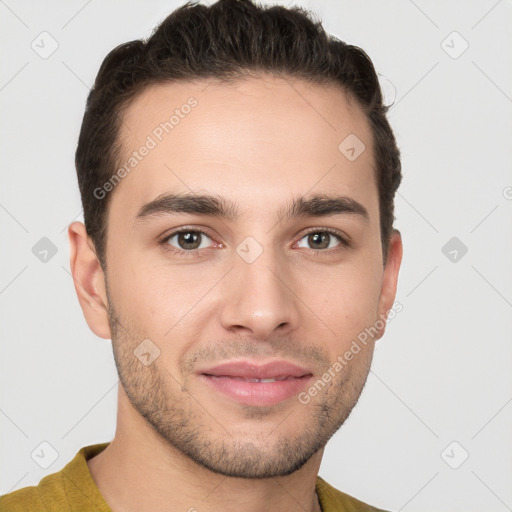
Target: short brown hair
x,y
227,40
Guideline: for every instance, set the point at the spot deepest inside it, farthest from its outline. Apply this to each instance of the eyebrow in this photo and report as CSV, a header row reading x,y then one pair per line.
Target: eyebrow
x,y
216,206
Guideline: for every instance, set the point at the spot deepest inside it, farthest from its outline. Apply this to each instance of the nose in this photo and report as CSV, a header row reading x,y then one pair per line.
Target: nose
x,y
260,300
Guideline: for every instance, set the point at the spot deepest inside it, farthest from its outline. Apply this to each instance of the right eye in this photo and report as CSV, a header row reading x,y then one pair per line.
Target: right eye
x,y
187,240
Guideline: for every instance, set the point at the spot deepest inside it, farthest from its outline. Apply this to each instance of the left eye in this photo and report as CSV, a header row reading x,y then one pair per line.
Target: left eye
x,y
189,240
321,240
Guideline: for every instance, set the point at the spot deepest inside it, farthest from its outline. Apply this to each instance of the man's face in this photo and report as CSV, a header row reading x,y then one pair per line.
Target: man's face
x,y
232,295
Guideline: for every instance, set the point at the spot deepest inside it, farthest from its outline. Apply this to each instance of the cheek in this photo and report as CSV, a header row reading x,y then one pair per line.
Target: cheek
x,y
345,301
160,300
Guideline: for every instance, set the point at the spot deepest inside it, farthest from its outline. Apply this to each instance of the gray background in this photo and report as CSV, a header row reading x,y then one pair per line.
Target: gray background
x,y
440,389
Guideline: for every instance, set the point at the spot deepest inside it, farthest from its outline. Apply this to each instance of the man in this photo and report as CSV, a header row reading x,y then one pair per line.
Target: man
x,y
237,174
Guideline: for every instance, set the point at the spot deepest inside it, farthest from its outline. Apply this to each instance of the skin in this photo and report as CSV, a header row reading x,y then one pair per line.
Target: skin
x,y
258,142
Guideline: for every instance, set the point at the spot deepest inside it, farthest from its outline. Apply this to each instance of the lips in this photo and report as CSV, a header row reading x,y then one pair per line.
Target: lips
x,y
277,370
250,383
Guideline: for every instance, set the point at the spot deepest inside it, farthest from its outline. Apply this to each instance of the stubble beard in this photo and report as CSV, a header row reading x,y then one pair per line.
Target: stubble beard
x,y
208,439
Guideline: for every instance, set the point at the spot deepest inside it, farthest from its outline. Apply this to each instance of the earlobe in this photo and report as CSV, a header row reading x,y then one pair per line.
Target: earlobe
x,y
89,280
390,277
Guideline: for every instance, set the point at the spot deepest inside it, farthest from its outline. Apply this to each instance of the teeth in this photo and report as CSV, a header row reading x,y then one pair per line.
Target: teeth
x,y
253,379
273,379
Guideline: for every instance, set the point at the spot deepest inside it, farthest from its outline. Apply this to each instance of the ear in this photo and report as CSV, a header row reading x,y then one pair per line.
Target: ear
x,y
390,278
89,280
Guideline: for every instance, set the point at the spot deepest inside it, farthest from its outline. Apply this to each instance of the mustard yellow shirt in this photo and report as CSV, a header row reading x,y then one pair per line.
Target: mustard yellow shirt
x,y
73,490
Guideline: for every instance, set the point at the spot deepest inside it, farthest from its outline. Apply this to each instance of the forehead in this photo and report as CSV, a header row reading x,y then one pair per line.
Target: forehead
x,y
258,138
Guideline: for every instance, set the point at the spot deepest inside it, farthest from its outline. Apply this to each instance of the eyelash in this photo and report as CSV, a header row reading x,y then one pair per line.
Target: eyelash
x,y
344,244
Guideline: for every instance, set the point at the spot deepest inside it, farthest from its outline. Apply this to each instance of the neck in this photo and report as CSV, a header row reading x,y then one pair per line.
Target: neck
x,y
140,471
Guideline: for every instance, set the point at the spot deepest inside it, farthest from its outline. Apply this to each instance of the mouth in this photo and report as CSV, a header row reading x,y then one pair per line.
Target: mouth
x,y
252,379
251,383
